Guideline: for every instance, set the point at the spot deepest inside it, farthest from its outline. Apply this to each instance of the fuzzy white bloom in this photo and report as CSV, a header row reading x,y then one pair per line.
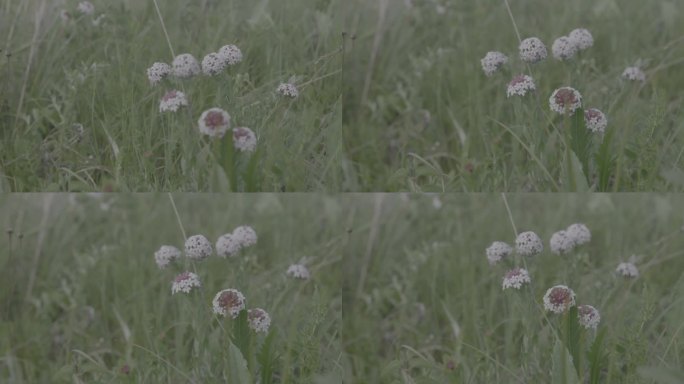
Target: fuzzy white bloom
x,y
579,233
582,38
563,48
627,270
198,247
212,64
559,299
258,320
498,250
528,244
515,278
520,85
228,302
589,316
185,65
245,236
532,50
166,254
595,120
157,72
561,243
230,54
492,62
86,7
227,246
298,271
214,122
244,139
634,74
172,101
185,282
565,100
288,90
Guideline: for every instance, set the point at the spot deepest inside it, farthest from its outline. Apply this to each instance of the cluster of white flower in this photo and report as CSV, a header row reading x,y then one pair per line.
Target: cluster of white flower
x,y
157,72
214,122
565,100
85,8
565,241
532,50
627,270
172,101
589,316
497,251
244,139
288,90
212,64
528,244
298,271
228,302
559,299
165,255
563,48
185,282
634,74
258,320
595,120
520,85
231,243
515,278
198,247
492,62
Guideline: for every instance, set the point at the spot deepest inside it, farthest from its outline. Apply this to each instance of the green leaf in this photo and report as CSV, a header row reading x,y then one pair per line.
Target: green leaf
x,y
237,366
605,161
577,181
573,337
563,371
266,359
674,176
242,335
662,375
596,358
580,140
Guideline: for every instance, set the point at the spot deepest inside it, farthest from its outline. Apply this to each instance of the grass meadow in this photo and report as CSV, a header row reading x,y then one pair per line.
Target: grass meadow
x,y
420,114
82,300
423,305
77,112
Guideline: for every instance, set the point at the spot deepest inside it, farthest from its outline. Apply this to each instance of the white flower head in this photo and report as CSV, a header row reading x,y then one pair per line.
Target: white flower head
x,y
634,74
228,302
627,270
288,90
589,316
212,64
559,299
498,250
582,38
198,247
245,236
165,255
528,244
563,48
157,72
258,320
172,101
520,85
227,246
98,20
298,271
185,65
565,100
214,122
579,233
244,139
532,50
86,8
230,54
185,282
561,243
595,120
515,278
492,62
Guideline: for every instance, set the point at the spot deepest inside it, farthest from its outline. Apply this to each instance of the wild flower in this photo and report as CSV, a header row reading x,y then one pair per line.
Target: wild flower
x,y
172,101
227,246
559,299
230,54
561,243
214,122
185,282
520,85
198,247
244,139
185,65
497,251
212,64
627,270
86,7
245,236
258,320
579,233
563,48
582,38
288,90
595,120
298,271
165,255
528,244
228,302
532,50
515,278
565,100
157,72
492,62
589,316
634,74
